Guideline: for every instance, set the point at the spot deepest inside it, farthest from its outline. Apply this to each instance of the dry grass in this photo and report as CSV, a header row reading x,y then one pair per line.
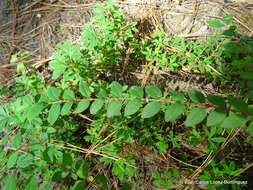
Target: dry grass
x,y
38,26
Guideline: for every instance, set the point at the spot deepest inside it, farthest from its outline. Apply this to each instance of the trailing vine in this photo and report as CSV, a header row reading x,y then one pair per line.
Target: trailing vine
x,y
41,119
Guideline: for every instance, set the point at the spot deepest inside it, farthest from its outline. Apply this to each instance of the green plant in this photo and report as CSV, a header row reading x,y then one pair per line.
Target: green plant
x,y
165,178
219,175
45,137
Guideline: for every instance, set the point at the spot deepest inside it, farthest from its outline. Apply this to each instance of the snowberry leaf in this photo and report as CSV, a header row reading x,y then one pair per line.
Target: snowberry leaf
x,y
84,89
216,116
196,96
96,106
54,113
116,89
81,106
216,100
234,121
68,95
113,108
196,116
132,107
173,112
150,109
153,92
66,108
136,92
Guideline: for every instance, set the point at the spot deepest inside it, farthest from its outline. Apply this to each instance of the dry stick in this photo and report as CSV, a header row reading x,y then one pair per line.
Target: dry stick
x,y
184,163
243,170
71,6
207,161
203,165
129,50
84,150
5,66
30,6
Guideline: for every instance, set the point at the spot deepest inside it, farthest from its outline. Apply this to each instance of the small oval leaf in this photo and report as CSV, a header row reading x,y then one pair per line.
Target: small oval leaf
x,y
173,112
82,106
54,113
150,109
196,116
53,93
153,92
132,107
114,108
84,89
12,160
68,95
238,104
136,92
116,89
216,100
66,108
234,121
216,117
96,106
196,96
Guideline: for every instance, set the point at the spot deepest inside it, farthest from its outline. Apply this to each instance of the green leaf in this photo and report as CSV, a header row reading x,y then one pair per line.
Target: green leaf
x,y
101,94
54,113
114,108
118,167
51,130
96,106
82,172
4,140
216,100
216,117
57,67
215,23
84,89
116,89
136,92
126,186
32,185
177,96
132,107
196,116
150,109
234,121
196,96
16,141
67,159
79,185
101,179
238,104
68,95
82,106
173,112
250,94
25,160
28,100
46,186
34,111
246,75
12,160
11,183
250,127
153,92
57,176
53,93
20,68
66,108
218,139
